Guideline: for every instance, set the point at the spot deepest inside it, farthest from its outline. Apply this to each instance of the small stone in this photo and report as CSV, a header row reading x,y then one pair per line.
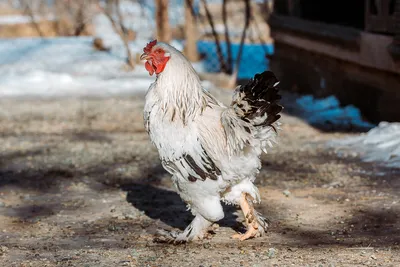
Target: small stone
x,y
206,245
286,193
271,252
3,250
112,227
129,216
2,204
373,257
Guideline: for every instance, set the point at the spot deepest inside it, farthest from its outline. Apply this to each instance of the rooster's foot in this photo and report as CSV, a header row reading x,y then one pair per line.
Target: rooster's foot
x,y
250,233
177,238
197,230
170,237
256,224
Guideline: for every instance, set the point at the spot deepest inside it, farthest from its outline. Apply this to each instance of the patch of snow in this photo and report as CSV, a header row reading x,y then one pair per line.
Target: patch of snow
x,y
49,84
139,17
66,66
111,39
328,113
381,144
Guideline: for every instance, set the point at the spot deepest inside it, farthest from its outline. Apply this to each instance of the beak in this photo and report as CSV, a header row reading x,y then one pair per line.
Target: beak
x,y
144,56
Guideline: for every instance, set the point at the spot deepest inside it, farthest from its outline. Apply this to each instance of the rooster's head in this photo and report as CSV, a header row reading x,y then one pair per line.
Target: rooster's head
x,y
156,56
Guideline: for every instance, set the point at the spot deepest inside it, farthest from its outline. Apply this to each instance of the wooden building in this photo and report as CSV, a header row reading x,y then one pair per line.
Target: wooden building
x,y
347,48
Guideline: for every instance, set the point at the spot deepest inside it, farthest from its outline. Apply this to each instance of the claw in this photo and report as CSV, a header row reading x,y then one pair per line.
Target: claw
x,y
236,236
170,237
250,233
256,224
178,238
196,230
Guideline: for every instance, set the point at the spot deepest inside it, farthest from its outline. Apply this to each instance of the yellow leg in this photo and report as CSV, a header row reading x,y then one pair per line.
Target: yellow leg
x,y
250,214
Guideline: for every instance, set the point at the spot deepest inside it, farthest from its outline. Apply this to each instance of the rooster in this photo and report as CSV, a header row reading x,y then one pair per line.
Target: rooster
x,y
212,151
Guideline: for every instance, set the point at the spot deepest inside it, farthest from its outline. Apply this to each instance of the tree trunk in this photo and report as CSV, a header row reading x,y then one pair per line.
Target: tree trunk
x,y
162,21
227,37
247,13
119,28
191,33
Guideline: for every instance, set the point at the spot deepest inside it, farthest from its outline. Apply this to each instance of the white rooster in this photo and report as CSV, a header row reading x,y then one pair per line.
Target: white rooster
x,y
212,151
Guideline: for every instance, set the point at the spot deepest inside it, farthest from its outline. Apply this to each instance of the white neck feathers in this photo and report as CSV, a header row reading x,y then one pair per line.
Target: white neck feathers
x,y
179,89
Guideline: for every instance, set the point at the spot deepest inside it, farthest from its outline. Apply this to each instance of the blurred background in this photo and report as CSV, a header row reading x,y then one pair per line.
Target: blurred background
x,y
81,185
315,48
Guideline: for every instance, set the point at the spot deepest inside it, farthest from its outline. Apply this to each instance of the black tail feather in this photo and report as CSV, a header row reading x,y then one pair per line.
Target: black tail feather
x,y
259,97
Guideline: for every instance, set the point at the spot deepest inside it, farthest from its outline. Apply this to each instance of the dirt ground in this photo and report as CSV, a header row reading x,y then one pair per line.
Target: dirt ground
x,y
80,185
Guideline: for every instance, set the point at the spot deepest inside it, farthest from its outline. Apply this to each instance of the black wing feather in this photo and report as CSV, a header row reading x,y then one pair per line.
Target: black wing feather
x,y
259,97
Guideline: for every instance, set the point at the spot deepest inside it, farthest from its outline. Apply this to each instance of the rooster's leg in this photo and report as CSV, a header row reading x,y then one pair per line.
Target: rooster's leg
x,y
256,224
196,230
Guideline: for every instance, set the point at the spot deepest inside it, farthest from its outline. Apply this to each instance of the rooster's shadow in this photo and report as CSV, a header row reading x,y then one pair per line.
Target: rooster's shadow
x,y
166,205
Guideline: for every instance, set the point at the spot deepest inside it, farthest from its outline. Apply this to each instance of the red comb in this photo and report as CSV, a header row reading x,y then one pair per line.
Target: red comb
x,y
149,46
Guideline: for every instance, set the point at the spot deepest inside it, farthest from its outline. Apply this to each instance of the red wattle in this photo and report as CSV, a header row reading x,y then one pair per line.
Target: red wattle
x,y
149,68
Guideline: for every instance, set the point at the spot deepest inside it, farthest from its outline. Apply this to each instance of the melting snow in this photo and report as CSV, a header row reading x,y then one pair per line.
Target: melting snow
x,y
71,66
380,144
65,66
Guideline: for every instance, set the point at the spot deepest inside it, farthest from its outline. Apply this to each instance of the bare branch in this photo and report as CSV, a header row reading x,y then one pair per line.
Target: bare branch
x,y
189,3
222,62
29,11
124,36
80,19
142,7
119,29
227,37
245,27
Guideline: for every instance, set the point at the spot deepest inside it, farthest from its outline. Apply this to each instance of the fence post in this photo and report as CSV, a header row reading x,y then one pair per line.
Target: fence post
x,y
162,21
191,33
